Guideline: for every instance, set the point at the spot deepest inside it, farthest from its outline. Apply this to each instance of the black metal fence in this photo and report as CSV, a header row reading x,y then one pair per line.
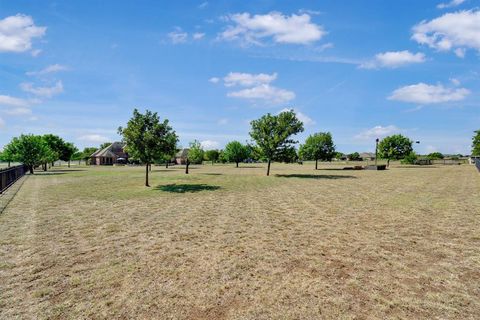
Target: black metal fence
x,y
8,176
477,163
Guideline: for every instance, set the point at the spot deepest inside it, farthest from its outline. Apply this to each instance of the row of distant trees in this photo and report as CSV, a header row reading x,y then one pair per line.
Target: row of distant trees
x,y
149,140
38,150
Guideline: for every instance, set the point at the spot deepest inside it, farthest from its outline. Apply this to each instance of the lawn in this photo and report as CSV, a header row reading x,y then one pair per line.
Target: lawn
x,y
227,243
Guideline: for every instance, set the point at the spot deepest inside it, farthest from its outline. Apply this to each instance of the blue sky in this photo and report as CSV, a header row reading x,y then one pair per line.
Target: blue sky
x,y
359,69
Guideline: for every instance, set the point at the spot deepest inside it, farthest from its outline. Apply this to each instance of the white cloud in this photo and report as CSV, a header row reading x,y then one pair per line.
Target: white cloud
x,y
13,102
210,144
377,132
455,81
450,4
301,116
423,93
248,79
251,29
265,92
222,121
94,138
49,69
17,32
198,35
178,36
46,92
394,59
214,80
453,31
18,111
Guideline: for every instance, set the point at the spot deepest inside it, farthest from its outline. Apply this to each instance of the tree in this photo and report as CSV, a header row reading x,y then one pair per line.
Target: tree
x,y
104,145
339,155
87,152
272,133
287,155
30,150
147,139
212,155
476,143
318,146
8,155
195,152
235,152
394,147
56,145
435,156
67,152
354,156
410,158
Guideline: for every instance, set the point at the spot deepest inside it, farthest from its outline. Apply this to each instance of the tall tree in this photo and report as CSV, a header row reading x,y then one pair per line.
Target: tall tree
x,y
30,150
8,154
147,139
235,152
394,147
318,146
272,133
476,144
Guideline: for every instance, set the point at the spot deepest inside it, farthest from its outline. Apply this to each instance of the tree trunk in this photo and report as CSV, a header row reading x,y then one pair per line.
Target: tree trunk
x,y
9,163
69,163
212,162
237,163
80,162
53,163
268,167
146,175
44,167
388,162
186,167
316,164
31,169
166,164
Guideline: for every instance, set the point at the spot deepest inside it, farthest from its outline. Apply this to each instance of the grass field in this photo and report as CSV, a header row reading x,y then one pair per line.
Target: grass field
x,y
226,243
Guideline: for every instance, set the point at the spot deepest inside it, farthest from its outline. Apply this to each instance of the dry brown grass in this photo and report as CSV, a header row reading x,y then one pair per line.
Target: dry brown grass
x,y
226,243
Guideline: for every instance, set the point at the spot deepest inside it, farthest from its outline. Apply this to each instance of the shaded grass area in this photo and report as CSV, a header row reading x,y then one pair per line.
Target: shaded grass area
x,y
228,243
182,188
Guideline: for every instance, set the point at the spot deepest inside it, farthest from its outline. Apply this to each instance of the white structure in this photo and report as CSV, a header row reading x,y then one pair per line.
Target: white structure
x,y
472,159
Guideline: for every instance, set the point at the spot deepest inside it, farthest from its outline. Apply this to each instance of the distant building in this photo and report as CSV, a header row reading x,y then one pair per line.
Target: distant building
x,y
367,156
181,156
113,154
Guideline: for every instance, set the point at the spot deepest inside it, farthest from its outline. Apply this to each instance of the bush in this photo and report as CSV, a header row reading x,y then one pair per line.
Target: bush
x,y
410,158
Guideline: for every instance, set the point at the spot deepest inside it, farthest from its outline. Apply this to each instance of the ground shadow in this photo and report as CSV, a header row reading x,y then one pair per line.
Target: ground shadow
x,y
66,170
212,174
183,188
331,169
417,167
51,173
315,176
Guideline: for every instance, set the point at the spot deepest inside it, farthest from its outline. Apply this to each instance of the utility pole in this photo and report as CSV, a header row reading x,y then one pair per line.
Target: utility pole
x,y
376,151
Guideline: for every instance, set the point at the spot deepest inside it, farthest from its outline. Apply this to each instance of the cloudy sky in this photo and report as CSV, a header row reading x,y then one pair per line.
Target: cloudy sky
x,y
359,69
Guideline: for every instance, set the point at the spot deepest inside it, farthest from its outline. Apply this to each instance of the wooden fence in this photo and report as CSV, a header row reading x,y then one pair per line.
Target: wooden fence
x,y
8,176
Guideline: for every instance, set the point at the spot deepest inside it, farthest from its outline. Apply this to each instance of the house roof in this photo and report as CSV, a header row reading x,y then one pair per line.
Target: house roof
x,y
111,151
182,153
367,155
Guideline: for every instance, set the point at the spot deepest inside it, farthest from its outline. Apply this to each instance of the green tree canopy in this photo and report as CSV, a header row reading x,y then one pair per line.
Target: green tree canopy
x,y
394,147
476,144
355,156
87,152
31,150
272,133
104,145
212,155
435,156
147,138
318,146
235,152
195,152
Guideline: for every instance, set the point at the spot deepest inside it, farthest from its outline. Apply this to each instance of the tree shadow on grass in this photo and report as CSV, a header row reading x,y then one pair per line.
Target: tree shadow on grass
x,y
48,173
66,170
212,174
315,176
184,188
